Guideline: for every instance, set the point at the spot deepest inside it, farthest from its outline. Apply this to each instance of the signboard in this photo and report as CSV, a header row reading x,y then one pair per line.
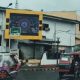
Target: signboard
x,y
14,51
15,31
29,22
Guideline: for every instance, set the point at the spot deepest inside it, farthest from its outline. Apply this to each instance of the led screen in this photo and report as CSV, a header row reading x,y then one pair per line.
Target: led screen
x,y
23,24
29,24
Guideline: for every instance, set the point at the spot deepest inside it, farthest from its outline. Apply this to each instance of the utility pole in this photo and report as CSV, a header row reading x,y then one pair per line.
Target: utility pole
x,y
54,37
57,50
16,4
16,7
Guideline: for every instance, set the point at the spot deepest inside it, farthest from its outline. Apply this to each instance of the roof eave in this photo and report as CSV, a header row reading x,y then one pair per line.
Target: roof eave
x,y
61,19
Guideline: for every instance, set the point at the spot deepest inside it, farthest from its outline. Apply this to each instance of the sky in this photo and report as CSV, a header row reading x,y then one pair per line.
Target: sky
x,y
46,5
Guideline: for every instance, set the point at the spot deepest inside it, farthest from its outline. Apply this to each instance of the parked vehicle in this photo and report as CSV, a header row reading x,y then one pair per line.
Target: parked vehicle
x,y
8,69
65,62
69,64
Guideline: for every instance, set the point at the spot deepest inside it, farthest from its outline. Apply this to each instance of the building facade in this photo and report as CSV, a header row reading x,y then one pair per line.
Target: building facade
x,y
61,28
74,15
53,27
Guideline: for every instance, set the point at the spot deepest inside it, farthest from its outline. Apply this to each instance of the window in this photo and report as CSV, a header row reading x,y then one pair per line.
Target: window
x,y
46,27
50,54
1,58
79,27
44,37
0,26
0,39
7,43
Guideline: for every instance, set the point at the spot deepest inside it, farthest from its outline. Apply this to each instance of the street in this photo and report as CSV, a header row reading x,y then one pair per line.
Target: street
x,y
37,74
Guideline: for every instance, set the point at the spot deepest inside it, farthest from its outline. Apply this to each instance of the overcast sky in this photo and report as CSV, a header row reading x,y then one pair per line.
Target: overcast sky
x,y
46,5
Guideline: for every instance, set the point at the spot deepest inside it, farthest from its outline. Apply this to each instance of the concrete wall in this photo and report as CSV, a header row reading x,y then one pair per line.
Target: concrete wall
x,y
69,15
64,31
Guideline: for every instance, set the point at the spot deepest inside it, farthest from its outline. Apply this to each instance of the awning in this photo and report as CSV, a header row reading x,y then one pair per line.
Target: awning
x,y
42,42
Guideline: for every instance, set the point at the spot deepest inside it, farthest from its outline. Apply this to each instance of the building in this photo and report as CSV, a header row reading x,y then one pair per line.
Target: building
x,y
2,30
74,15
24,42
53,27
62,28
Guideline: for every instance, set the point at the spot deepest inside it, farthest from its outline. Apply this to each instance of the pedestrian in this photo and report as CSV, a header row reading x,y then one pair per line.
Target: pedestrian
x,y
17,62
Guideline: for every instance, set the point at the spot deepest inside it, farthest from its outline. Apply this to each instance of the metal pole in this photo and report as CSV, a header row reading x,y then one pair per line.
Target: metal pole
x,y
34,50
55,37
70,43
55,32
16,5
10,40
70,39
57,49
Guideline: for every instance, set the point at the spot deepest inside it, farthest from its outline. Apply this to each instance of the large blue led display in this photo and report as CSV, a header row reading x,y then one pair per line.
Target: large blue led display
x,y
29,24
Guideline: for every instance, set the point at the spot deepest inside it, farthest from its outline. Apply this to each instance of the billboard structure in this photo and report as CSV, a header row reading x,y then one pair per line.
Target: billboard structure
x,y
23,24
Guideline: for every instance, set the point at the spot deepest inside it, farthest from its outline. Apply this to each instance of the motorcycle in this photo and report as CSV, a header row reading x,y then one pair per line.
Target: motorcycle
x,y
8,73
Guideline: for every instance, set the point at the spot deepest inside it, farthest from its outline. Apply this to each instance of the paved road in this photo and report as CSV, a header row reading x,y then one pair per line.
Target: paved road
x,y
39,74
